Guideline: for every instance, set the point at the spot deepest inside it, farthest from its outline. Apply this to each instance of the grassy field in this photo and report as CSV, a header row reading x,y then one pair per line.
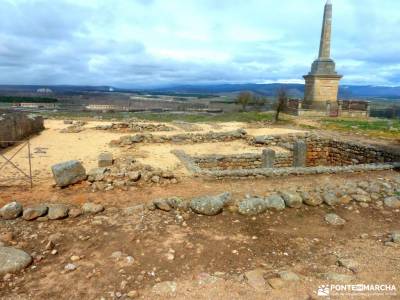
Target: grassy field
x,y
383,128
168,117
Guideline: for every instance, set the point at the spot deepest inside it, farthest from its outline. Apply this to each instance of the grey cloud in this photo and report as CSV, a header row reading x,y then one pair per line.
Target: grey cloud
x,y
128,43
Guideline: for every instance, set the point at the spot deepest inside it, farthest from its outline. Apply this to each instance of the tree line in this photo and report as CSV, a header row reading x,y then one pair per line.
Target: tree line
x,y
247,98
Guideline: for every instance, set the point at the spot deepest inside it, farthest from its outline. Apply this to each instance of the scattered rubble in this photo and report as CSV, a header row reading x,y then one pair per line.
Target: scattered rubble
x,y
334,219
182,138
135,126
125,173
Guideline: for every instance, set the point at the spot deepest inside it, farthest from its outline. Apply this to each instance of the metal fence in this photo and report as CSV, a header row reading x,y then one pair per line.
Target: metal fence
x,y
8,161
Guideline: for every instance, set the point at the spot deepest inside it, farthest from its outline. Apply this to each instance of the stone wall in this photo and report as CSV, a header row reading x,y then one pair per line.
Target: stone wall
x,y
184,138
242,161
328,152
135,126
17,126
323,156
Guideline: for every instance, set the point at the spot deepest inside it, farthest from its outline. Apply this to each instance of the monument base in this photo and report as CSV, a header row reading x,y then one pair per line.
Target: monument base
x,y
321,88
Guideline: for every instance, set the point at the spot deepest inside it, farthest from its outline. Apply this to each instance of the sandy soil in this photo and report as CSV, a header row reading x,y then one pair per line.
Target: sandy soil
x,y
210,254
51,147
159,155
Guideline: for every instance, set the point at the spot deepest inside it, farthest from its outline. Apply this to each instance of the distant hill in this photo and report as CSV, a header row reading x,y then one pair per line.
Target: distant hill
x,y
294,90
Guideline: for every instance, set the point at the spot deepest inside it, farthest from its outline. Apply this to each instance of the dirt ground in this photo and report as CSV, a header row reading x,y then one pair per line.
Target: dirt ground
x,y
298,240
127,248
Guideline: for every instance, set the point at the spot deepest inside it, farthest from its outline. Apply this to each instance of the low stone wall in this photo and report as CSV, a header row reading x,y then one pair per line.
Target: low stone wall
x,y
134,127
274,172
283,140
320,156
242,161
322,151
328,152
185,138
17,126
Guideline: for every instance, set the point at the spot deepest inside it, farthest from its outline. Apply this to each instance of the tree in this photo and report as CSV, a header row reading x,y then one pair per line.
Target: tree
x,y
282,99
244,99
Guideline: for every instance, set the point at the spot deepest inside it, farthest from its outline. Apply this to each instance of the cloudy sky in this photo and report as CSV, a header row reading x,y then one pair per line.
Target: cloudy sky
x,y
137,43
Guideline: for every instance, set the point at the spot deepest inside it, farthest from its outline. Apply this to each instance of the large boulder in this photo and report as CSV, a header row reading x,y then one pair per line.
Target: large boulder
x,y
252,206
292,199
331,199
68,173
275,202
57,211
92,208
311,199
96,174
32,213
11,211
13,260
209,205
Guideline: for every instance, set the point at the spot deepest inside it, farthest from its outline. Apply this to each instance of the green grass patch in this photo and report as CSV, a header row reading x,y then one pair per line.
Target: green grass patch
x,y
168,117
389,128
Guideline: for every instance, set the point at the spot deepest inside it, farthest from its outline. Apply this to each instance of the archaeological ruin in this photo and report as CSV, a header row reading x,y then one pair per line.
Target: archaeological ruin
x,y
15,127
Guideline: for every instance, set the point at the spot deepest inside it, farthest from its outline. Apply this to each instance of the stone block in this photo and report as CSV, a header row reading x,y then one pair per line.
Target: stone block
x,y
68,173
268,158
299,153
105,160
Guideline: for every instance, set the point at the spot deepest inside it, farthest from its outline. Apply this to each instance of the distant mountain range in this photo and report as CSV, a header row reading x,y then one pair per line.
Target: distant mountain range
x,y
294,90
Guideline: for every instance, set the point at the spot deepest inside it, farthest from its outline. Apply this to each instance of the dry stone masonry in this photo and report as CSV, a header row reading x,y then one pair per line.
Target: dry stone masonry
x,y
17,126
185,138
304,154
135,126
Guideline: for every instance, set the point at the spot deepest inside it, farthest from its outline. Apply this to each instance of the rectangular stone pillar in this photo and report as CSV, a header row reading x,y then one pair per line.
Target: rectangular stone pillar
x,y
105,160
268,158
299,153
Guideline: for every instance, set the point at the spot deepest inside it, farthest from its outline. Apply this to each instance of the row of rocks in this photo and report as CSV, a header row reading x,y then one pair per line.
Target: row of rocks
x,y
135,127
381,193
76,123
73,129
245,174
181,138
44,212
126,172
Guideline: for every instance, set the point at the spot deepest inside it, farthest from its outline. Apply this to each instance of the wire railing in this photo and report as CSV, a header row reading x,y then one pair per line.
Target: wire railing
x,y
8,161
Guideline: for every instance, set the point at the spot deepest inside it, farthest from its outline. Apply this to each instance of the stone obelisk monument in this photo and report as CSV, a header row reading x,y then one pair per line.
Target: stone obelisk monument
x,y
322,83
